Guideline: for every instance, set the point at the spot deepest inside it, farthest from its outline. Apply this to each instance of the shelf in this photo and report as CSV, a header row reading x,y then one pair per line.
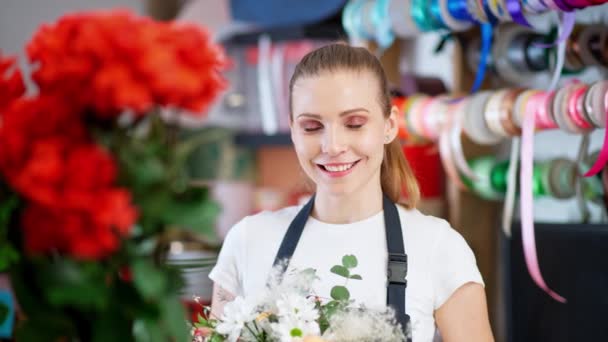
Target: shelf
x,y
329,29
258,140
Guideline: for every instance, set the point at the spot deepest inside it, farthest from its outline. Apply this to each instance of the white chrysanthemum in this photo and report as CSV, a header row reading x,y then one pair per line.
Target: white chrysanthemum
x,y
297,317
289,329
299,307
364,325
236,314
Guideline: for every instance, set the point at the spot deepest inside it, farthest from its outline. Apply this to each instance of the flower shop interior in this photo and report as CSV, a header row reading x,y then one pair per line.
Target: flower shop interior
x,y
111,220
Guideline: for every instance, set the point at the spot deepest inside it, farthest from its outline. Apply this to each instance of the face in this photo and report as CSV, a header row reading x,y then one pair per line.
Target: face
x,y
339,131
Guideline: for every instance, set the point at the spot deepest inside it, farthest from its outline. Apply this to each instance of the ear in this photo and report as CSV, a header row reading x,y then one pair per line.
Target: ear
x,y
391,125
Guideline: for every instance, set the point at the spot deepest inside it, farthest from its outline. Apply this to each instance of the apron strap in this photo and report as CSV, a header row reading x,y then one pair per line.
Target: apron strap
x,y
397,259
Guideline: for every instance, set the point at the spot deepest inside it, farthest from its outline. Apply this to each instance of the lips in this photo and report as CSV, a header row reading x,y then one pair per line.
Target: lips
x,y
337,169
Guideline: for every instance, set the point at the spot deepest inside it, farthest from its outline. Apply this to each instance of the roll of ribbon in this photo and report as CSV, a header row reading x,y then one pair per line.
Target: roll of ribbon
x,y
352,20
507,112
483,187
401,19
445,151
561,106
590,40
383,28
434,117
455,22
456,139
561,178
516,59
534,6
521,106
474,123
492,113
596,102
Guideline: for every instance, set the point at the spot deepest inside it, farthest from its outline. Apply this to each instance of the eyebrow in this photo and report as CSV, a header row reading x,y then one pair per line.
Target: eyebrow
x,y
346,112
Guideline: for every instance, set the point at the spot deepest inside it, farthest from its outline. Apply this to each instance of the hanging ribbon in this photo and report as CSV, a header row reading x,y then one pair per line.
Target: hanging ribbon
x,y
486,46
527,202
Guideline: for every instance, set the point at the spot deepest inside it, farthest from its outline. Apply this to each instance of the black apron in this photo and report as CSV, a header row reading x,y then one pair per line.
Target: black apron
x,y
397,259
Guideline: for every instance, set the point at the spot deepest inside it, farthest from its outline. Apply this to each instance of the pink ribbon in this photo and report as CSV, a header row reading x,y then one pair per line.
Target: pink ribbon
x,y
527,222
602,159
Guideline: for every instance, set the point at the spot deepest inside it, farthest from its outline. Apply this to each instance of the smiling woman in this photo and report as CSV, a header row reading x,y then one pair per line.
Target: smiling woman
x,y
344,132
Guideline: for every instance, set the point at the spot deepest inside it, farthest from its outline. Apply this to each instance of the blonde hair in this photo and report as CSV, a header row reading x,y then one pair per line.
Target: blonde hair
x,y
396,175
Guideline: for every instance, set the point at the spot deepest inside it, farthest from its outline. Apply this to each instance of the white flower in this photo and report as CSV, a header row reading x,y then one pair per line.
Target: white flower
x,y
298,307
297,317
236,314
289,329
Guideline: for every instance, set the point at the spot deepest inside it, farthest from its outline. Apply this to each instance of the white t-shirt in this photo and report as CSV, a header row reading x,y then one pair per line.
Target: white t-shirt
x,y
439,259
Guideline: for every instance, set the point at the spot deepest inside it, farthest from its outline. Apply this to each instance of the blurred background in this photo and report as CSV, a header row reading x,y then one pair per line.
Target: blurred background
x,y
249,164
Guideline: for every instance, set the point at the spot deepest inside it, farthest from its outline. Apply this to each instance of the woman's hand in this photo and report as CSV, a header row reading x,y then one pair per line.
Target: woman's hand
x,y
220,298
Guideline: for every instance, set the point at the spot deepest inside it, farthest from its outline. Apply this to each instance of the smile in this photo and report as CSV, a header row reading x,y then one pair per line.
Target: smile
x,y
337,170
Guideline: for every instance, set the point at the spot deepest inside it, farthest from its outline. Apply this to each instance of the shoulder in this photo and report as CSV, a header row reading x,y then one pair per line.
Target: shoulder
x,y
265,222
425,226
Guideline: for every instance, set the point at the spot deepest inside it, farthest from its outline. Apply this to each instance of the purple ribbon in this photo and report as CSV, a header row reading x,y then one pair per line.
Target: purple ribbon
x,y
516,12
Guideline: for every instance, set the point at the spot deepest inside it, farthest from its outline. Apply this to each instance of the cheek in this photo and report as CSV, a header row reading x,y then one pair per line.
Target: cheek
x,y
306,147
370,144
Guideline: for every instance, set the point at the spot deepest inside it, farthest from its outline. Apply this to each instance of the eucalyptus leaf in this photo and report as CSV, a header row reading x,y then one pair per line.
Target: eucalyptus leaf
x,y
341,271
349,261
340,293
356,276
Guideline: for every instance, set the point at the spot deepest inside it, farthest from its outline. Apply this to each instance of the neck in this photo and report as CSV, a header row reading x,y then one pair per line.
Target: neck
x,y
346,208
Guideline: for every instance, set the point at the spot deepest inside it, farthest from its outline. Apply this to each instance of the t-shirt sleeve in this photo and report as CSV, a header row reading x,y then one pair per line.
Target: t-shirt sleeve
x,y
228,272
453,265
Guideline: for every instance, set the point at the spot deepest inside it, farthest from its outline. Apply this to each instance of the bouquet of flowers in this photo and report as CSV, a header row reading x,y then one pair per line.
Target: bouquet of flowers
x,y
288,311
91,176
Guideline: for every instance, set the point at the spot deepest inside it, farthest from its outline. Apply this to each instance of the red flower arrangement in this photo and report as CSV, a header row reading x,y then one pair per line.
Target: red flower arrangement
x,y
74,180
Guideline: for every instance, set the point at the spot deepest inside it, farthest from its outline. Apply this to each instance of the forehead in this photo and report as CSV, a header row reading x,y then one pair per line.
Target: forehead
x,y
331,92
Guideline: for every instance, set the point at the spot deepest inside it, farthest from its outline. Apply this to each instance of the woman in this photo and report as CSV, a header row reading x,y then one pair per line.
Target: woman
x,y
344,132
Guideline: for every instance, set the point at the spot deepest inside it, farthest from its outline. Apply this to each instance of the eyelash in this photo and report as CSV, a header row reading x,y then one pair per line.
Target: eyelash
x,y
310,130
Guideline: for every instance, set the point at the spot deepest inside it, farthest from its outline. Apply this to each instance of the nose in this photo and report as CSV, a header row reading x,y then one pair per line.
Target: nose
x,y
334,142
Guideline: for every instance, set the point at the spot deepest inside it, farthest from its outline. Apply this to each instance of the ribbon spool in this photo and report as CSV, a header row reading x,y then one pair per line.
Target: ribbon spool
x,y
567,108
352,20
588,41
456,23
517,57
560,178
483,187
475,125
382,27
402,23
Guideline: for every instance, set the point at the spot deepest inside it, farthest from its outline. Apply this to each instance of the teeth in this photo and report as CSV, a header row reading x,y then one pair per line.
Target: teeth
x,y
339,168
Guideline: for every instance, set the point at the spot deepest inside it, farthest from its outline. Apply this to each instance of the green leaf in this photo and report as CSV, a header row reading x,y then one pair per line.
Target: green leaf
x,y
111,325
174,315
216,338
340,293
150,281
71,283
341,271
147,331
3,312
356,276
8,256
295,332
349,261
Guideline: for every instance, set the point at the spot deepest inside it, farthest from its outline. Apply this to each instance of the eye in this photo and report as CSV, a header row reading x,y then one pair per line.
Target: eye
x,y
355,122
310,125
